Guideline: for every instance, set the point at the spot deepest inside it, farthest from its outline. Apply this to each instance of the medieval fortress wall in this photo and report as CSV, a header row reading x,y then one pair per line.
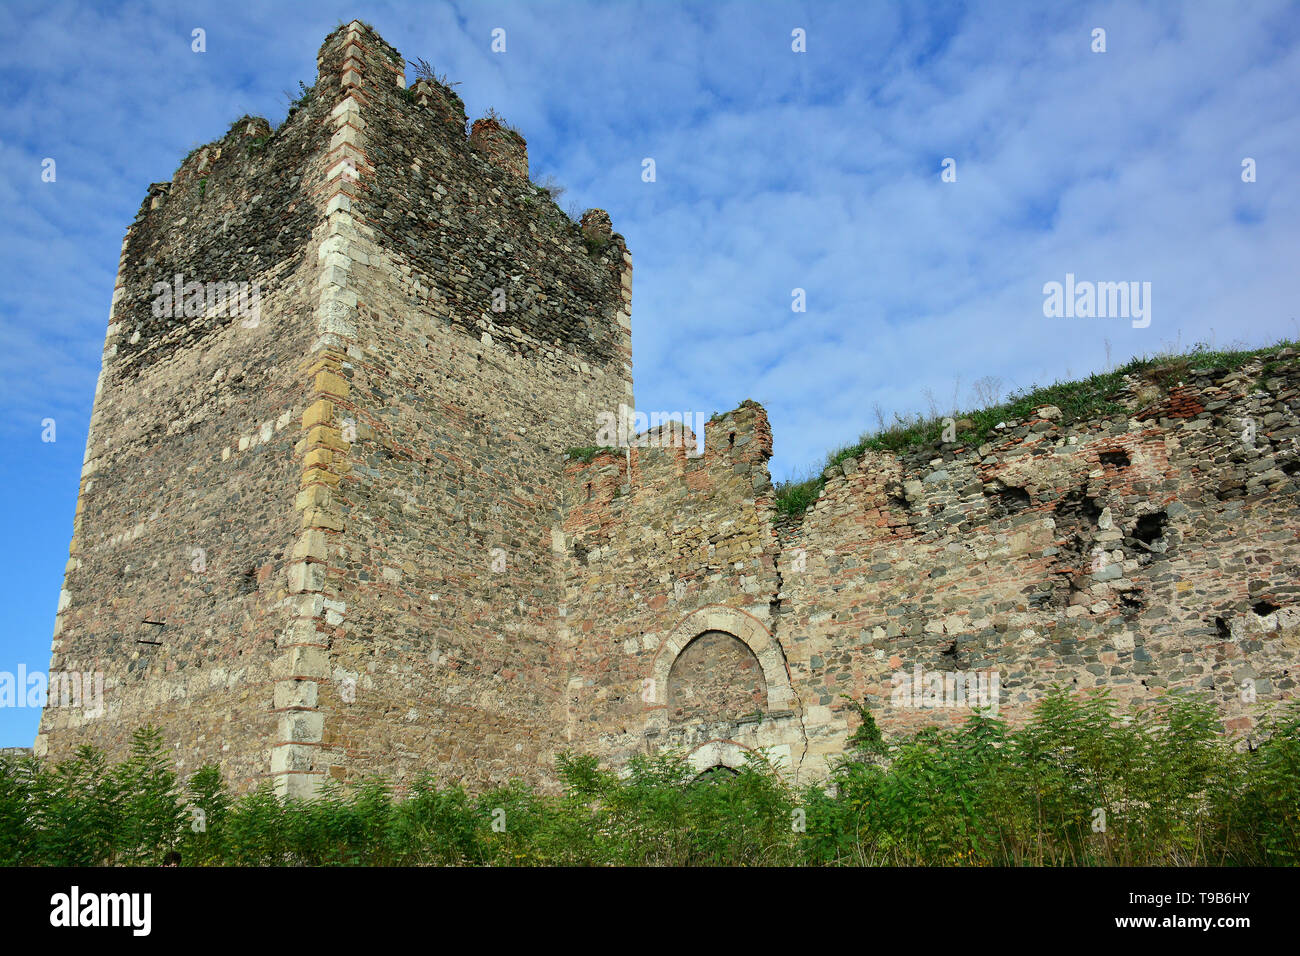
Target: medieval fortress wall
x,y
1151,552
354,527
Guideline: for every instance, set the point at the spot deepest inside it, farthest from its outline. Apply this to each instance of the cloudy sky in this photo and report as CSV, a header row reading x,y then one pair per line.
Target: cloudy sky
x,y
776,170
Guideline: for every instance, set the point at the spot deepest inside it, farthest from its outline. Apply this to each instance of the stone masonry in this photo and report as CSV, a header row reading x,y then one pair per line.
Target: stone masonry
x,y
351,533
1153,551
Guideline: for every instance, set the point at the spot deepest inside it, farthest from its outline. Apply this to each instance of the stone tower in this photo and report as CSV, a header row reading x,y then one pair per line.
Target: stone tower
x,y
313,535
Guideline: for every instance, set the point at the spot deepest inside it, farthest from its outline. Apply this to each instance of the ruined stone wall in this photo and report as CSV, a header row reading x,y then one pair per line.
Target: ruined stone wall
x,y
1150,551
478,339
184,513
656,556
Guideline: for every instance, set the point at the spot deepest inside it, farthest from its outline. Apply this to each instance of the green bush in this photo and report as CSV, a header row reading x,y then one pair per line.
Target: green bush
x,y
1083,783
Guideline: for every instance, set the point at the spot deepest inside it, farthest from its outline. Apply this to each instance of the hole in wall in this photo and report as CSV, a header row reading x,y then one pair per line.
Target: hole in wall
x,y
1115,459
1076,517
248,581
1006,499
1078,506
897,494
1150,528
1221,628
1264,608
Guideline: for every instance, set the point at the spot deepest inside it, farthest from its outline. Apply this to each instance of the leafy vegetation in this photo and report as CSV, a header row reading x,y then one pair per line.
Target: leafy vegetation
x,y
1083,783
500,120
302,99
588,454
1094,397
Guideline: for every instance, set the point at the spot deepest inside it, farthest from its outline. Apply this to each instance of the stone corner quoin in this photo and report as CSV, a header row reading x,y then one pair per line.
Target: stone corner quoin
x,y
327,525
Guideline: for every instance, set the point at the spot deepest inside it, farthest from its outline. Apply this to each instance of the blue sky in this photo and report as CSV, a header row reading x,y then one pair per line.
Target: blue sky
x,y
776,170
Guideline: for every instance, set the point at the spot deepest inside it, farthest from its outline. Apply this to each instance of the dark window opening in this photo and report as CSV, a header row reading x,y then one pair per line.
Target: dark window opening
x,y
715,775
152,634
248,581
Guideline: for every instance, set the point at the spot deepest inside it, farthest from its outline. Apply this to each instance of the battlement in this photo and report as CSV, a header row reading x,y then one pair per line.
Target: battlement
x,y
241,209
502,146
668,455
442,100
356,57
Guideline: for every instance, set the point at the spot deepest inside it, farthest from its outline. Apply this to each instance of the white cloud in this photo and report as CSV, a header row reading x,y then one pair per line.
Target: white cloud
x,y
776,170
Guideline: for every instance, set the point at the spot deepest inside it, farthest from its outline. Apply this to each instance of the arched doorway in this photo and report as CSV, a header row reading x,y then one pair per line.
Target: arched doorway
x,y
719,687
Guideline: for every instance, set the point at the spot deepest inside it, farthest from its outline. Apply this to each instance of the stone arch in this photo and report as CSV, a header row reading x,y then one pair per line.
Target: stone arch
x,y
744,627
717,753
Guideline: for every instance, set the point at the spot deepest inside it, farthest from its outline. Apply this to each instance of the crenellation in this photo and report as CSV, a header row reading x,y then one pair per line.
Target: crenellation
x,y
502,146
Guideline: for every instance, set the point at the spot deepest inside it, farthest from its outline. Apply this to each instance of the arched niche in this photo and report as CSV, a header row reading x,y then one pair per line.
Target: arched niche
x,y
715,677
738,624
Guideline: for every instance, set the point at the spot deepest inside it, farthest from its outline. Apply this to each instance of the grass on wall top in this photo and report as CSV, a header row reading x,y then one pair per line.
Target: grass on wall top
x,y
1094,397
